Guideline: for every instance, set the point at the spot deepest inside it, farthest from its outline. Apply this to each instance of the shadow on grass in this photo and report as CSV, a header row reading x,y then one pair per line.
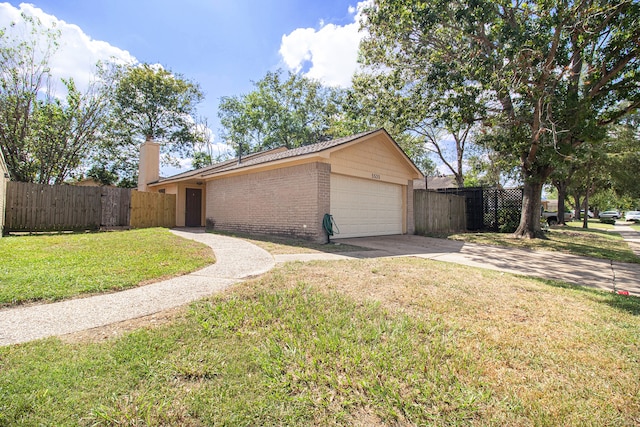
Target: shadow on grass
x,y
595,243
53,233
628,303
272,241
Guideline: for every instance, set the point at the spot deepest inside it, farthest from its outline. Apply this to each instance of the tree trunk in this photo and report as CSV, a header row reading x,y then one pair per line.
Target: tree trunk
x,y
578,205
561,185
585,222
529,227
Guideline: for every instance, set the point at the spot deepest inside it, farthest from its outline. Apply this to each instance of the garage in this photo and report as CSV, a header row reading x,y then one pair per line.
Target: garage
x,y
365,207
365,181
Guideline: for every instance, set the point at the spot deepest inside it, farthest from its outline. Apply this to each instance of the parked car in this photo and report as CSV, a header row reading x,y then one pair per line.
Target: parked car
x,y
589,213
632,216
552,217
609,215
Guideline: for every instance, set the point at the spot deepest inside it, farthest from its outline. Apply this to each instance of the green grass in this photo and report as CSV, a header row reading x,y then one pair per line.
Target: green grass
x,y
364,342
53,267
593,242
593,223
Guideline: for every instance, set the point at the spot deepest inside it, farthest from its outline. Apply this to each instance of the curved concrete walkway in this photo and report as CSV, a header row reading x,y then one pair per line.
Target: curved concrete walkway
x,y
238,259
235,260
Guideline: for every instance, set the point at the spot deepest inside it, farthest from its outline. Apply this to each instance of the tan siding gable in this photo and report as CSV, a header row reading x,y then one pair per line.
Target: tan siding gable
x,y
377,159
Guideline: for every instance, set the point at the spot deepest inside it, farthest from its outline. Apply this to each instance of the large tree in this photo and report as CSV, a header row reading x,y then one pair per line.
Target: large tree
x,y
549,74
283,110
151,103
45,138
25,50
66,132
442,125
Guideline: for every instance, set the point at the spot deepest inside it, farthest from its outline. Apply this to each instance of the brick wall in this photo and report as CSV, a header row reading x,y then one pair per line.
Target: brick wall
x,y
289,201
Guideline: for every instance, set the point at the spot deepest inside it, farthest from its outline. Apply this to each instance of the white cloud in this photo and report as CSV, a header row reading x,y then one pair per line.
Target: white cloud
x,y
329,54
77,54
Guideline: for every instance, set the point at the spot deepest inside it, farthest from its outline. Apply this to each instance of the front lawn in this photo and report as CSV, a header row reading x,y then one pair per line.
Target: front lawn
x,y
361,342
52,267
597,243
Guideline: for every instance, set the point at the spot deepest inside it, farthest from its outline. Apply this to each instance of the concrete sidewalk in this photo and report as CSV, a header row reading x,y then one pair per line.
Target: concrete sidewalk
x,y
597,273
235,260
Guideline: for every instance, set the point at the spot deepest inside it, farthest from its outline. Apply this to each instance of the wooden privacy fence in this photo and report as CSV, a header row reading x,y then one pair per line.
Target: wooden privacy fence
x,y
152,210
437,212
37,207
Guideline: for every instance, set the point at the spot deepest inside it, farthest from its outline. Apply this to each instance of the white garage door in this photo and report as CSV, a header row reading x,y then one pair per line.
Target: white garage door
x,y
362,207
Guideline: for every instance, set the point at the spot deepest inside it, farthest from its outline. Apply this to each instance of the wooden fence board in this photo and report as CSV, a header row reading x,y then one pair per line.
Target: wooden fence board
x,y
152,210
4,178
116,203
437,212
37,207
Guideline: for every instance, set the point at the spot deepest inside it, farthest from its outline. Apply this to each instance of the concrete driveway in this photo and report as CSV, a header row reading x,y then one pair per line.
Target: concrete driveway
x,y
601,274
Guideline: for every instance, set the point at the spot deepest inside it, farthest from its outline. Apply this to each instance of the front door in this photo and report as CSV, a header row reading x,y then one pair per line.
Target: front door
x,y
193,208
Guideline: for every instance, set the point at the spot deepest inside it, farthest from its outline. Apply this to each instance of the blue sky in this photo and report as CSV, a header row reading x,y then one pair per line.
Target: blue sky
x,y
223,45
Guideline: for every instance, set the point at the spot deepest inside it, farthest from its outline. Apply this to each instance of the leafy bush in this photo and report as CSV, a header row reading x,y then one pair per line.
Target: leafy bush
x,y
508,220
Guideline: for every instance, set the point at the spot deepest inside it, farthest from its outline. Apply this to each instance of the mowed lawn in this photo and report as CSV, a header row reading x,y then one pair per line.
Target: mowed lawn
x,y
371,342
57,266
599,241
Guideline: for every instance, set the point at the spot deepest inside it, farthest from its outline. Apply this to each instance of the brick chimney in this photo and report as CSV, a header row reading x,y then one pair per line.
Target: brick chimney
x,y
149,167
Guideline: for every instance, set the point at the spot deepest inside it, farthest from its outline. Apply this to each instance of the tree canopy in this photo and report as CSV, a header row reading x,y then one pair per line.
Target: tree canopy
x,y
152,103
47,138
283,110
545,77
428,122
44,138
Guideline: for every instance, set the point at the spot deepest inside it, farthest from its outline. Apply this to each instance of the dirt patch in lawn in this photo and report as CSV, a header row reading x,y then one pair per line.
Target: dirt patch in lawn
x,y
116,330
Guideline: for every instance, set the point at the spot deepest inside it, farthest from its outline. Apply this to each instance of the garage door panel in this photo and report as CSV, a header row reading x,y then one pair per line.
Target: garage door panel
x,y
363,207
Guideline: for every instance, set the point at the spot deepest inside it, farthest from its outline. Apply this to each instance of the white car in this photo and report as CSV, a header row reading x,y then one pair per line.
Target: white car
x,y
609,214
632,216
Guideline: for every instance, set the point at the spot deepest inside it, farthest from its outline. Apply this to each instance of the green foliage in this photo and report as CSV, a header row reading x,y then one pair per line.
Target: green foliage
x,y
65,134
23,73
200,160
283,110
102,175
44,139
430,124
52,267
152,103
509,219
543,77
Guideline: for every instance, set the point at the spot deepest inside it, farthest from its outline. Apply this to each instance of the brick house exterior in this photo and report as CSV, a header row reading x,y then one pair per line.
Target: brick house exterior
x,y
288,192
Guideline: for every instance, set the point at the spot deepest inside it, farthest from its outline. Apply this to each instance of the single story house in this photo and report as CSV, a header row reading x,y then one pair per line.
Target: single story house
x,y
364,181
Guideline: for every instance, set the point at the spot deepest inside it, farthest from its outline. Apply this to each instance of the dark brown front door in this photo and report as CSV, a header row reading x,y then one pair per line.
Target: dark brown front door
x,y
193,209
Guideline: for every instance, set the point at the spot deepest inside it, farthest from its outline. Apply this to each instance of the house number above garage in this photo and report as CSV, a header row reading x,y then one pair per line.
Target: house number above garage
x,y
375,175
